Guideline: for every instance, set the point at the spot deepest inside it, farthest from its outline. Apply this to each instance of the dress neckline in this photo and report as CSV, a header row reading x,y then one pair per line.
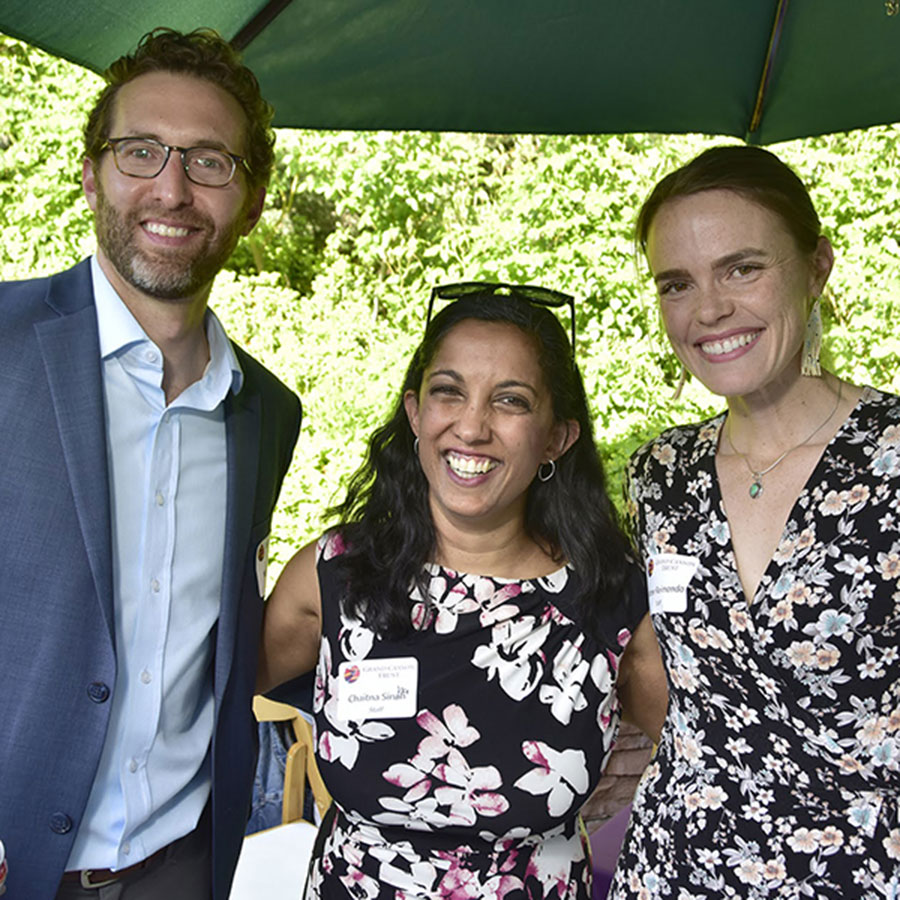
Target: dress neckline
x,y
869,394
434,568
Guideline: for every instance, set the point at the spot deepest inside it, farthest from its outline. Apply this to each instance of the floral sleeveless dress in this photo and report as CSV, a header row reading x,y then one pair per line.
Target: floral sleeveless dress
x,y
476,793
778,770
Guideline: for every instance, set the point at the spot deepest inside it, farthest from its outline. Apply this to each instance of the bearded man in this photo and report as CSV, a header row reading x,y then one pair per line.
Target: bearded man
x,y
141,455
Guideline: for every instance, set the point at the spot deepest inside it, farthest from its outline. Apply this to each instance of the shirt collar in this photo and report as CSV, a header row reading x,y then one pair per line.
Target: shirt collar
x,y
119,330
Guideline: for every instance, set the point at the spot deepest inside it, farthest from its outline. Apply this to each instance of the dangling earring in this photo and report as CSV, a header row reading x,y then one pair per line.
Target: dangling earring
x,y
416,446
682,378
812,342
546,476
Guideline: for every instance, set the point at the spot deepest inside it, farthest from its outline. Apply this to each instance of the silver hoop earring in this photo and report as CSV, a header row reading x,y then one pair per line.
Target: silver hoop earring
x,y
546,476
416,446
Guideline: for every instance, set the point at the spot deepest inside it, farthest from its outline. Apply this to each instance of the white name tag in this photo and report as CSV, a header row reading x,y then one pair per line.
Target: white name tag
x,y
668,576
377,688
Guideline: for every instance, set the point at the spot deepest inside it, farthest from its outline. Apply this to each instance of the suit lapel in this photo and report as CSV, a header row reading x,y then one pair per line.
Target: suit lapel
x,y
70,348
242,416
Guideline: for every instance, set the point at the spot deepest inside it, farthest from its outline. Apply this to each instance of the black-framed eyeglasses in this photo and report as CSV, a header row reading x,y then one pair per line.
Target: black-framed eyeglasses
x,y
146,158
533,293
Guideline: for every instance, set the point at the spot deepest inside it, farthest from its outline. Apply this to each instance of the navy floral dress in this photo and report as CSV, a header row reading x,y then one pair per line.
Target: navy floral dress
x,y
778,769
476,793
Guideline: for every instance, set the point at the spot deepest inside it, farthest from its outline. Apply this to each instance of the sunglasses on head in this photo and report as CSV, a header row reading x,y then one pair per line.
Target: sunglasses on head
x,y
539,296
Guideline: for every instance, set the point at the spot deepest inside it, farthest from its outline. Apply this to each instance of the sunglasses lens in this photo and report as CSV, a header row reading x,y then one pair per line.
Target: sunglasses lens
x,y
532,293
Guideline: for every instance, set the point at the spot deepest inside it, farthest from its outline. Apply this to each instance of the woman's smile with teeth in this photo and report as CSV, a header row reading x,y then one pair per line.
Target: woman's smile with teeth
x,y
469,466
727,345
166,230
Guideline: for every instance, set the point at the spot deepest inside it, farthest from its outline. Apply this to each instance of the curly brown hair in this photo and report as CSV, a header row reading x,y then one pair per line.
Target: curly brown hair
x,y
202,53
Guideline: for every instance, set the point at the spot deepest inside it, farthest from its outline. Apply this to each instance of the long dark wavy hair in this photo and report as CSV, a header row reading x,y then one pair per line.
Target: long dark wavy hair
x,y
385,518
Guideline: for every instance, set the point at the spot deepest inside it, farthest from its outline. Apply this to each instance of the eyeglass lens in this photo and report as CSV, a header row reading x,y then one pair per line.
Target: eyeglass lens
x,y
146,159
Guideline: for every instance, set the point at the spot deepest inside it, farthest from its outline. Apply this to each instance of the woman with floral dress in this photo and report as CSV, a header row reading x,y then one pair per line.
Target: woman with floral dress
x,y
770,537
469,615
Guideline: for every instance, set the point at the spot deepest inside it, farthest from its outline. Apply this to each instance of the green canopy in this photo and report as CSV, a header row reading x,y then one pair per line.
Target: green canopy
x,y
763,70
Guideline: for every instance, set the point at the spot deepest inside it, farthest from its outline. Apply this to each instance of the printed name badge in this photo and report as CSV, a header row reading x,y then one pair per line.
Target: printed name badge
x,y
668,576
377,688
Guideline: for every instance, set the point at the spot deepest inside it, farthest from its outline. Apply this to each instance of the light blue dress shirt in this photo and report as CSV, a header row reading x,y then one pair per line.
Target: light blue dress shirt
x,y
167,481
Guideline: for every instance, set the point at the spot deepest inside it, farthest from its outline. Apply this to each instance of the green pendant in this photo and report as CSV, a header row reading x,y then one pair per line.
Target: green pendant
x,y
756,489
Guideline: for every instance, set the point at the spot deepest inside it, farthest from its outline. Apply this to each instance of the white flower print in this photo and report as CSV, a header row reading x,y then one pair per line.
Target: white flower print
x,y
800,708
443,736
514,655
469,792
452,785
341,742
551,864
569,672
892,844
425,805
559,774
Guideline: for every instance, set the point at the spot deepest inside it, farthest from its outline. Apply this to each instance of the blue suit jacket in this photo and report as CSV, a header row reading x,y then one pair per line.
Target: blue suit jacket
x,y
57,655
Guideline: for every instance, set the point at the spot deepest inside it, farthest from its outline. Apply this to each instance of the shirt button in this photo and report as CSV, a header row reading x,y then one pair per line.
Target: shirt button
x,y
98,691
159,498
132,765
151,356
146,677
154,586
126,848
60,823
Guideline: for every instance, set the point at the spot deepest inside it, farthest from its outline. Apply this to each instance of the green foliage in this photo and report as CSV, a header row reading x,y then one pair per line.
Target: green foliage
x,y
45,223
330,290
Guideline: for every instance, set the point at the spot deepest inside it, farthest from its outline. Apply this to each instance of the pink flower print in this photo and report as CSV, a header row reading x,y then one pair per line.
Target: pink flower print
x,y
559,774
454,731
491,599
323,671
469,792
552,614
461,883
406,776
421,617
359,885
551,864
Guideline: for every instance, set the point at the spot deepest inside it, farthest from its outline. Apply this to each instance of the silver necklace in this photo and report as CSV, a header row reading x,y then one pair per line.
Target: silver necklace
x,y
756,488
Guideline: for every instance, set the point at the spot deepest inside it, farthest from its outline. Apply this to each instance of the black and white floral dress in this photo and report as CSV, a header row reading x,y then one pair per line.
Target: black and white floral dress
x,y
778,769
476,793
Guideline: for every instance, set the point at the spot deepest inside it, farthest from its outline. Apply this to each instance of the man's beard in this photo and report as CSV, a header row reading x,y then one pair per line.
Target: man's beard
x,y
172,273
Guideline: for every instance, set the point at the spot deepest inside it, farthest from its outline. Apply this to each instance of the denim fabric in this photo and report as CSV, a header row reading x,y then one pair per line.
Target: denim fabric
x,y
275,738
268,784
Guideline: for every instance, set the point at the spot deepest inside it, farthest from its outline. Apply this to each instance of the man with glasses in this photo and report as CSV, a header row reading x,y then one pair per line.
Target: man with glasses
x,y
141,455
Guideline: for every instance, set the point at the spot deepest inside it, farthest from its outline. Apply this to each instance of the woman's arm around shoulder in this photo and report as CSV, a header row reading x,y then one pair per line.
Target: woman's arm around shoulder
x,y
641,683
292,623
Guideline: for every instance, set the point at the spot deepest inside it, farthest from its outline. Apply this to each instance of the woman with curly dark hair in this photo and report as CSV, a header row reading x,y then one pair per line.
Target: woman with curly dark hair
x,y
469,615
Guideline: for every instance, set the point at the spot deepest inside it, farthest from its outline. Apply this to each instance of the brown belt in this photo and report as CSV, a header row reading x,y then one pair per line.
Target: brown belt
x,y
98,878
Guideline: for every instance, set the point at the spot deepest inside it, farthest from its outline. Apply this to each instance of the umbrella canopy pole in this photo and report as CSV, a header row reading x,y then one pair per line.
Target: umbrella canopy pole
x,y
258,23
774,40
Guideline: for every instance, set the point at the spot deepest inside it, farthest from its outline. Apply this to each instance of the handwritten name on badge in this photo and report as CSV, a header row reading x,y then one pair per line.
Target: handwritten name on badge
x,y
378,688
668,576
